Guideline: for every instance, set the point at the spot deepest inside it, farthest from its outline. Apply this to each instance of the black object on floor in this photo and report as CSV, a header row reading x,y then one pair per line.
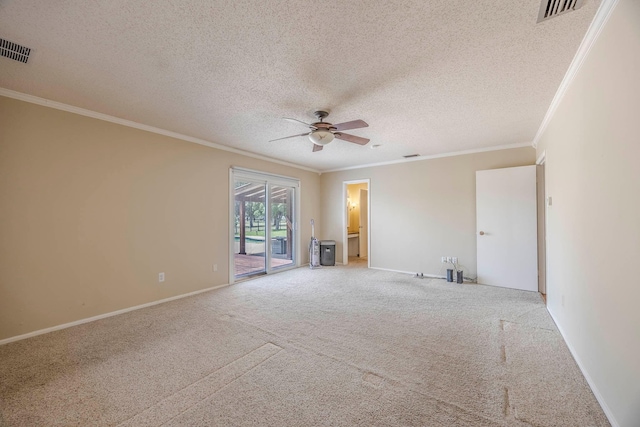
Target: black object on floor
x,y
449,275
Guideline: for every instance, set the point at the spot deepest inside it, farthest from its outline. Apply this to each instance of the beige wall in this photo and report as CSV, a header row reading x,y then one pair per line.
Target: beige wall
x,y
92,211
592,174
420,211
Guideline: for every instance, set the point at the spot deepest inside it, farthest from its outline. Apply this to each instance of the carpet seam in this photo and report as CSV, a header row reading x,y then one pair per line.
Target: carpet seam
x,y
466,411
226,385
299,346
393,382
524,314
202,379
528,326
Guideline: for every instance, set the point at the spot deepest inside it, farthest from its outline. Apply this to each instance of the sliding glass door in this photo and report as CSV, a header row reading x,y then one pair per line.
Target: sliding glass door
x,y
263,223
281,201
249,228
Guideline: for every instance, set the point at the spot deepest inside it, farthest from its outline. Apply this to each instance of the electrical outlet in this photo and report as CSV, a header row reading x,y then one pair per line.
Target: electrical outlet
x,y
215,267
454,259
444,259
448,259
161,277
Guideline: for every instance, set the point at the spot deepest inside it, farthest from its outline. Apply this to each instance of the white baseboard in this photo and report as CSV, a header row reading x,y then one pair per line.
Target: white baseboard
x,y
413,273
105,315
594,389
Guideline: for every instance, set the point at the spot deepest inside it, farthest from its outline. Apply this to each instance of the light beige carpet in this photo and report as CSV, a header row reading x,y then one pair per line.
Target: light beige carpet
x,y
335,346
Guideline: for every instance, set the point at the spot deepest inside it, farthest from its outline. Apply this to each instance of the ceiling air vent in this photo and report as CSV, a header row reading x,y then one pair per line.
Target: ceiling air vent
x,y
411,155
14,51
552,8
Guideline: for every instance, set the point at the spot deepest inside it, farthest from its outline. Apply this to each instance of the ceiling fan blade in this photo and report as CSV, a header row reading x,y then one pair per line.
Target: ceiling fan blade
x,y
300,121
355,124
317,147
292,136
351,138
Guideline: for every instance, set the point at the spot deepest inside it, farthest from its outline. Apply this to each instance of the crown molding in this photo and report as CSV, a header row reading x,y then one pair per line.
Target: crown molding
x,y
107,118
435,156
599,20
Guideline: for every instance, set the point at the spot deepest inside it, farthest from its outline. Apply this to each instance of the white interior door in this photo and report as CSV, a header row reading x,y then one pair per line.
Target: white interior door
x,y
506,220
364,223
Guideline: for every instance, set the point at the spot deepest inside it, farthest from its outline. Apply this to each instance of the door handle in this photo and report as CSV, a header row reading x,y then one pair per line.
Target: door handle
x,y
481,233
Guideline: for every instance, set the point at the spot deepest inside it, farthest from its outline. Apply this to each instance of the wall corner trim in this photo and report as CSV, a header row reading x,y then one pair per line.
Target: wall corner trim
x,y
594,389
105,315
600,19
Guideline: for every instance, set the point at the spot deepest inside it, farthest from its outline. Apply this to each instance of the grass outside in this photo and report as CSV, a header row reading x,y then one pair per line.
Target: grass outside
x,y
274,233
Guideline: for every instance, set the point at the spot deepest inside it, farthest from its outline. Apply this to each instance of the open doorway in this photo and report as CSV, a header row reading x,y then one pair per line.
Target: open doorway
x,y
356,230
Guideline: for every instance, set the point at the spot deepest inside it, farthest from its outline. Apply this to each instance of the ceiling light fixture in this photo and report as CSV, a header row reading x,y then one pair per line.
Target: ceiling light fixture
x,y
321,137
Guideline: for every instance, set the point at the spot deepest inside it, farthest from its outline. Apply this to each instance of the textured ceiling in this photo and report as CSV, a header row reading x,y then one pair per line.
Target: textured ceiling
x,y
430,77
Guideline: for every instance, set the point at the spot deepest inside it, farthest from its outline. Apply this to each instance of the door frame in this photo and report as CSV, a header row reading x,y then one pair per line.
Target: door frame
x,y
345,216
269,179
542,236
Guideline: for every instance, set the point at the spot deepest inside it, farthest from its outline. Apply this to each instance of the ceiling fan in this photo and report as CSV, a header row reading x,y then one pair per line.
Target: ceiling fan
x,y
322,133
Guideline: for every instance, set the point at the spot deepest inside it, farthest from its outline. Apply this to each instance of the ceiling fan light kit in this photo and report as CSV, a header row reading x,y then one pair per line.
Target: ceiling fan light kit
x,y
321,133
321,137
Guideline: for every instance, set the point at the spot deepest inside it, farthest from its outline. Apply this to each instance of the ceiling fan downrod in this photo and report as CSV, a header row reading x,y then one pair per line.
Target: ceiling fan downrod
x,y
320,114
